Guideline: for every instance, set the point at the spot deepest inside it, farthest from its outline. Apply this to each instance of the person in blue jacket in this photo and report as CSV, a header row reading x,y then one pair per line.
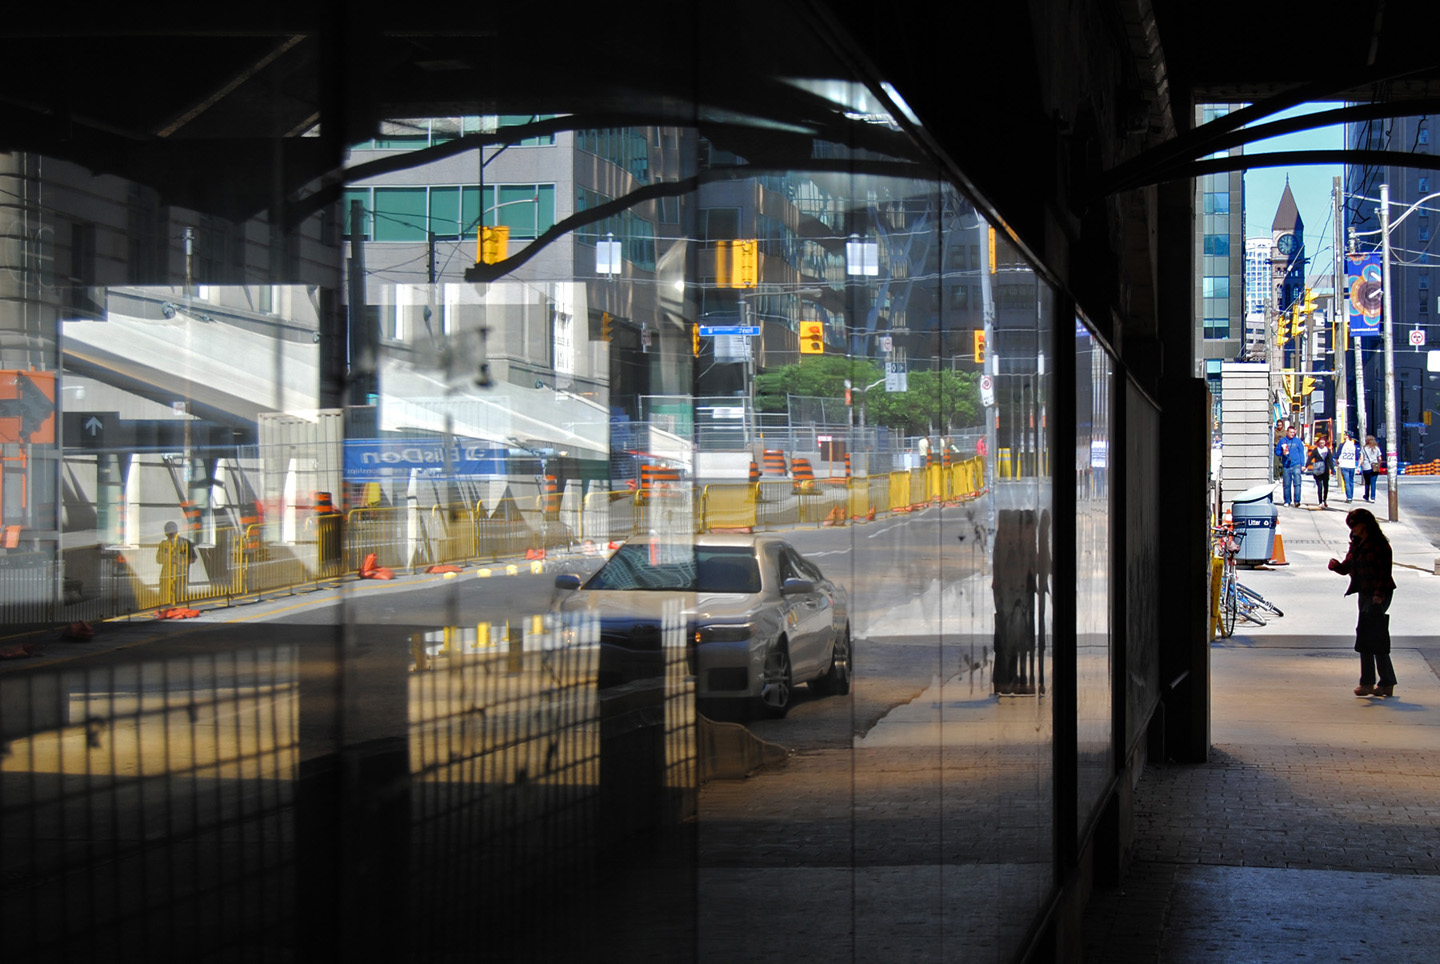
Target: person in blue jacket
x,y
1292,455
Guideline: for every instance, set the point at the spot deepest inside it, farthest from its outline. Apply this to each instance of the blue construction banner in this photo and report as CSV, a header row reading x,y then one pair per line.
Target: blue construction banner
x,y
386,458
1364,280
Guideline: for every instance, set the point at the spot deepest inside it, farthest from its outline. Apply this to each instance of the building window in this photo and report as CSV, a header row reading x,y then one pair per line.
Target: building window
x,y
1424,185
1422,136
1217,202
1217,244
1217,327
1216,286
452,211
1424,232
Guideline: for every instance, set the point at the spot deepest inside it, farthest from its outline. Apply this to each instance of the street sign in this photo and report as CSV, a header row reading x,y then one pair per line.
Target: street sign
x,y
987,390
1417,336
710,331
895,379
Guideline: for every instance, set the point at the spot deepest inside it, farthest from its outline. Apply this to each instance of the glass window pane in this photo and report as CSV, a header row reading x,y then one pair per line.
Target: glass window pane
x,y
400,214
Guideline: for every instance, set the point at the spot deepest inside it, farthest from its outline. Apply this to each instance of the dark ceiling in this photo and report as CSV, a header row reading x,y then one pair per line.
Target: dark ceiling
x,y
195,100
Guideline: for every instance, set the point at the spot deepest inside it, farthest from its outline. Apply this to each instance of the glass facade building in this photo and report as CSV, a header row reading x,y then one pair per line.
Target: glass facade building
x,y
302,429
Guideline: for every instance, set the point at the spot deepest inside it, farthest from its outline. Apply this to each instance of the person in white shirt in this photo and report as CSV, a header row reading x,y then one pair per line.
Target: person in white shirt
x,y
1347,459
1370,459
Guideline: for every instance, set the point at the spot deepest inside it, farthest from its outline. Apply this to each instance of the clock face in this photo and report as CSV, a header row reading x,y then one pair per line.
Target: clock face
x,y
1286,244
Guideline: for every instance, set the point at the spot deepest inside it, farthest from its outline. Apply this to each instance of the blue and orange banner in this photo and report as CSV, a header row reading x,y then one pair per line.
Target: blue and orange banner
x,y
1364,280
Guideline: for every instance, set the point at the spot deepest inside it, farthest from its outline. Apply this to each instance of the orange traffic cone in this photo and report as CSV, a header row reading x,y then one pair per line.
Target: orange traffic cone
x,y
835,518
1278,558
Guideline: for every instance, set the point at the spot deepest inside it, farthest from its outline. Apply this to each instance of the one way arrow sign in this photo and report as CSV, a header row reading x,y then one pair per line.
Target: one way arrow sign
x,y
93,425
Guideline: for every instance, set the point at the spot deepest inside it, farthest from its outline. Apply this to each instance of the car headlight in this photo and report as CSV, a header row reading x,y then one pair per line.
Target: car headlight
x,y
724,633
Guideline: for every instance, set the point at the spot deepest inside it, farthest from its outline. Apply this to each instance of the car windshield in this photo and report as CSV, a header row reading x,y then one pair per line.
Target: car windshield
x,y
640,565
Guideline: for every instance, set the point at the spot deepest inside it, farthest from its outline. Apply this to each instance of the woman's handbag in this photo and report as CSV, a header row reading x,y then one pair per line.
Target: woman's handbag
x,y
1372,632
1316,469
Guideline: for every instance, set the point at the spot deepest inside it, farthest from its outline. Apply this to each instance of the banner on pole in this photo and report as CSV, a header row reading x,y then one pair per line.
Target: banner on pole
x,y
1363,279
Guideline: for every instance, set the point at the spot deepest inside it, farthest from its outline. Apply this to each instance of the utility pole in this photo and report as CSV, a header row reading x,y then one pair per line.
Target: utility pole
x,y
1361,416
1339,326
1392,439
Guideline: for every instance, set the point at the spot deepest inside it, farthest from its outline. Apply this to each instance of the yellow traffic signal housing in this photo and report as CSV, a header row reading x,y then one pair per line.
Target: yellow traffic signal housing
x,y
607,326
737,263
812,337
494,244
695,340
979,346
1282,331
1307,385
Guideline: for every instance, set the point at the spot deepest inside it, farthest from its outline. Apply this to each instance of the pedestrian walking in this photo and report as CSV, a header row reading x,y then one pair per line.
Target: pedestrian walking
x,y
1368,564
1319,464
1291,453
1347,459
1370,460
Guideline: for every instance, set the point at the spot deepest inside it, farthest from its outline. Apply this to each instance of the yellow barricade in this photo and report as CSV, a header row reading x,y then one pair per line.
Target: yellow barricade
x,y
729,506
859,501
899,491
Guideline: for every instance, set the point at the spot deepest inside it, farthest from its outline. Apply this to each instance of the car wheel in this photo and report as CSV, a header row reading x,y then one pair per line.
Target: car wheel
x,y
836,681
776,686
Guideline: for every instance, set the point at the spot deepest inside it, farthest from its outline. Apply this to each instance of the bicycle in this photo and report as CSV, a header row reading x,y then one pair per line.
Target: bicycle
x,y
1227,546
1236,600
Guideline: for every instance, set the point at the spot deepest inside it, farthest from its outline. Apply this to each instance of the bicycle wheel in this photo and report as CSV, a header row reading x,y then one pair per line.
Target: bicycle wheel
x,y
1229,605
1258,600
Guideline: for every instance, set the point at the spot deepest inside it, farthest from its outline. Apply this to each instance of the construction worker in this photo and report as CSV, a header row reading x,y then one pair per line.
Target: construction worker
x,y
175,556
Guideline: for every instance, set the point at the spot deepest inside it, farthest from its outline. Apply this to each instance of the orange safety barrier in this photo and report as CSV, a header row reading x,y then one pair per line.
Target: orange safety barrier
x,y
802,476
653,477
774,460
754,472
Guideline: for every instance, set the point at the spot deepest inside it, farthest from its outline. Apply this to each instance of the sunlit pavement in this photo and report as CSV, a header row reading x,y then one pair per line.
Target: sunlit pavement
x,y
1310,834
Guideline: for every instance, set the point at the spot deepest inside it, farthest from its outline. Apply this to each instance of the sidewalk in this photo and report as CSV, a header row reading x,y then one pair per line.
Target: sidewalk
x,y
1310,835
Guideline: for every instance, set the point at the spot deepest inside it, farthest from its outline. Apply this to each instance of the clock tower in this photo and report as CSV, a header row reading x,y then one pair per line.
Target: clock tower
x,y
1287,285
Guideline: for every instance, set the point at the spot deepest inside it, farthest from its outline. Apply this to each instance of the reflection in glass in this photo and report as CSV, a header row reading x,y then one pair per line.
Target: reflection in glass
x,y
1094,383
516,346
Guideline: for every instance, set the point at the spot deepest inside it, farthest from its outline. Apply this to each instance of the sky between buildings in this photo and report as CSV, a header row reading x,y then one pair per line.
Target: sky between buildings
x,y
1311,185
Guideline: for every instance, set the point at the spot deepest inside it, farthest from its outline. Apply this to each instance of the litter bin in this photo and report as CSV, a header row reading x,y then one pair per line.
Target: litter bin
x,y
1254,515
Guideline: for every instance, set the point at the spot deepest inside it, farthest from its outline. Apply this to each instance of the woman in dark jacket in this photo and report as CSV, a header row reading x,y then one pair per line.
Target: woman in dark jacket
x,y
1320,464
1368,564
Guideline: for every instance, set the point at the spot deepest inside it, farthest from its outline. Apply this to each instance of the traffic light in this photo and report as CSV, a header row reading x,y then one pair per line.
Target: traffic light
x,y
812,337
1309,304
1307,385
494,244
695,340
979,346
737,263
607,326
1282,331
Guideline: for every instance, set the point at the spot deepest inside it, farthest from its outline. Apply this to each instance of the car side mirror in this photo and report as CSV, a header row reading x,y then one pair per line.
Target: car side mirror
x,y
567,580
795,585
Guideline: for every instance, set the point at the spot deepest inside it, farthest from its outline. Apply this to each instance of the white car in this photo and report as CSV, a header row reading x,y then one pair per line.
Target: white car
x,y
761,618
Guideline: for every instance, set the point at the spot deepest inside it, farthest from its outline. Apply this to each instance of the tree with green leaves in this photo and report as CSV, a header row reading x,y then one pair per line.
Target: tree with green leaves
x,y
935,400
821,376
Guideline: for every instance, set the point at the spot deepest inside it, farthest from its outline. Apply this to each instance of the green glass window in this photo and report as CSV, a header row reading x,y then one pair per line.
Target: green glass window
x,y
528,209
400,214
